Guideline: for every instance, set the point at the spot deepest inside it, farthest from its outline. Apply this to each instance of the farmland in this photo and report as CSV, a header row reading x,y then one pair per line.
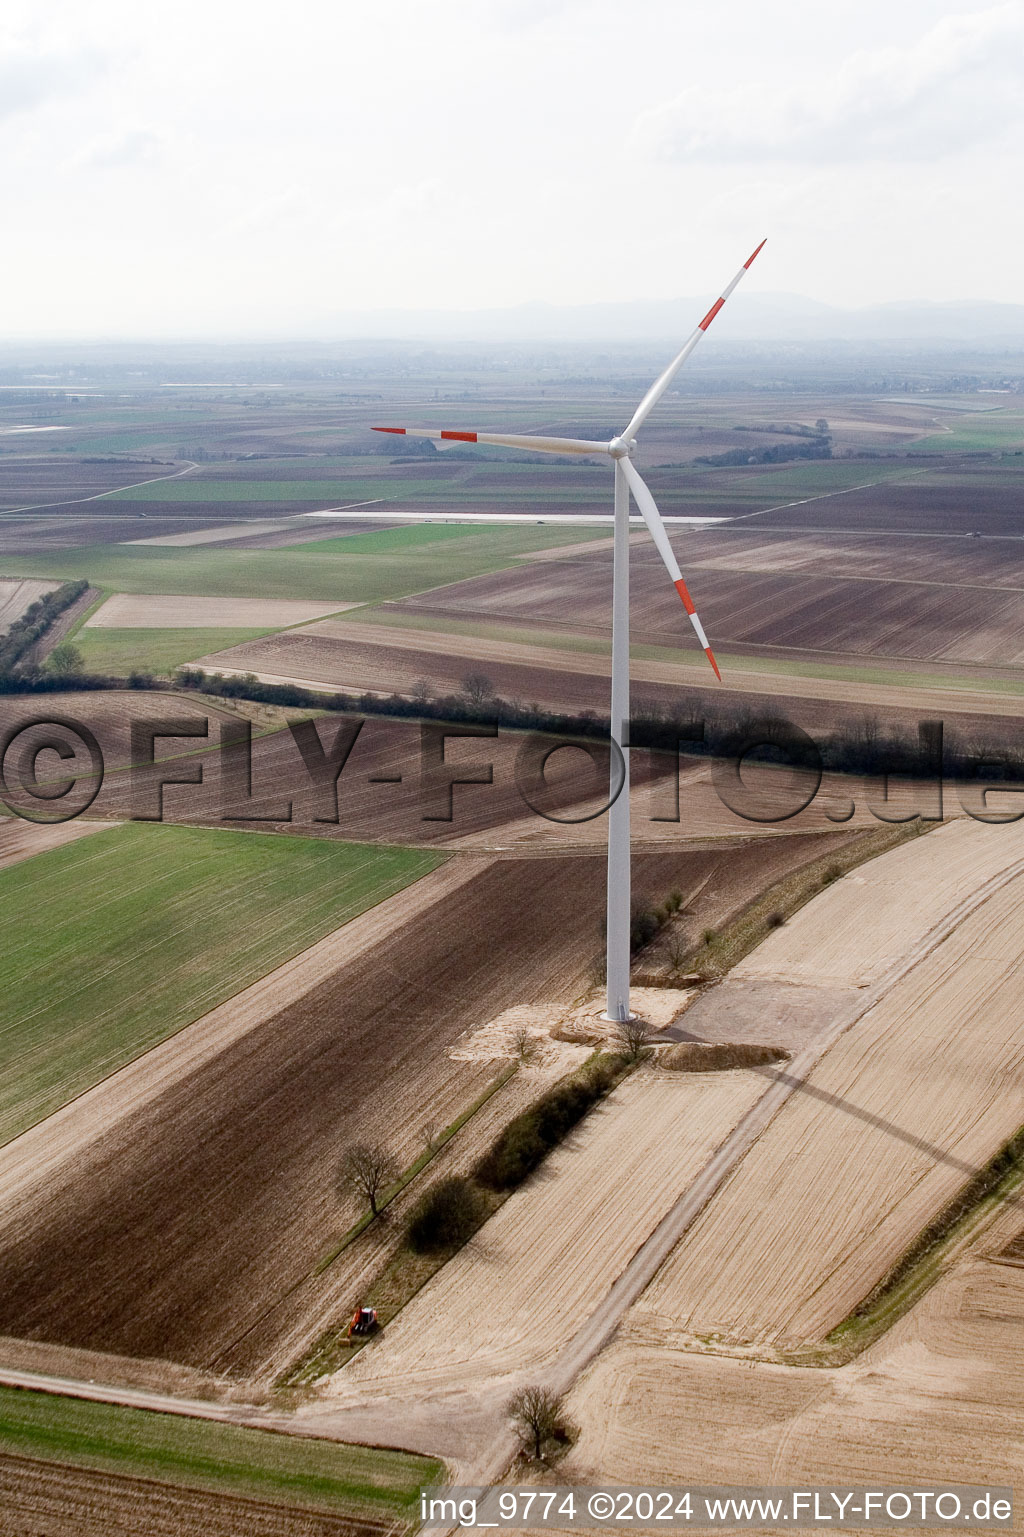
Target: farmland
x,y
570,673
957,605
938,1399
237,1007
119,652
164,923
169,1261
104,1466
565,1236
15,598
21,840
154,612
331,574
904,1109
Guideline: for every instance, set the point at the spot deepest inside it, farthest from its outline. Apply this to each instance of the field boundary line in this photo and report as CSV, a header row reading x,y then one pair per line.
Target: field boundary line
x,y
822,496
98,496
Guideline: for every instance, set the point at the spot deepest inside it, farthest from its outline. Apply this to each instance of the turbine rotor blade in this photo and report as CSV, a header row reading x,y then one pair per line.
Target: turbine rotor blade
x,y
652,517
663,380
539,445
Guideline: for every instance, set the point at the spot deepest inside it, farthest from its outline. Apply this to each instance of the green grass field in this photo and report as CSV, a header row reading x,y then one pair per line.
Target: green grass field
x,y
326,568
408,536
997,431
225,1459
156,651
114,942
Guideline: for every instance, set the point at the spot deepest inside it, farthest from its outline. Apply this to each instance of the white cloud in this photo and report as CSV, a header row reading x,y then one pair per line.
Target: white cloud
x,y
33,72
957,86
119,151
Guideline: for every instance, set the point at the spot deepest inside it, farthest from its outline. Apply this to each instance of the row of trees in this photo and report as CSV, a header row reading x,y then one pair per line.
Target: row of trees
x,y
33,625
692,726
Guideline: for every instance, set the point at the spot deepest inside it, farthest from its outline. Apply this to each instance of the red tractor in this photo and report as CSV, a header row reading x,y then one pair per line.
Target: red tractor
x,y
364,1321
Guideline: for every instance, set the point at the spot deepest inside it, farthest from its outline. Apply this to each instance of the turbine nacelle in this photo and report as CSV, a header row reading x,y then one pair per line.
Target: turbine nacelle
x,y
622,448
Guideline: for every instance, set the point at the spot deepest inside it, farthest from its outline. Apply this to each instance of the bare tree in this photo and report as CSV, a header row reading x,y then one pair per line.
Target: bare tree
x,y
478,687
677,951
633,1037
535,1412
524,1043
367,1169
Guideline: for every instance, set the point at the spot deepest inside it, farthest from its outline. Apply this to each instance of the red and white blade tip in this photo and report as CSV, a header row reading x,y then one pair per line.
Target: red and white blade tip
x,y
713,311
454,437
688,603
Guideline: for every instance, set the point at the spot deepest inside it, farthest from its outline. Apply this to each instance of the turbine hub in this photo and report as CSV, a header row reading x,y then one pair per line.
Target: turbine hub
x,y
622,448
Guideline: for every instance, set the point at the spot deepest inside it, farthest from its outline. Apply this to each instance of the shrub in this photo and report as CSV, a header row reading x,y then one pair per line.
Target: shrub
x,y
522,1145
643,925
446,1215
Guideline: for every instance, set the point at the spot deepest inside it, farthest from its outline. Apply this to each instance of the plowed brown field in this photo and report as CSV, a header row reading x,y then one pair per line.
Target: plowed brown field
x,y
839,612
196,1212
50,1499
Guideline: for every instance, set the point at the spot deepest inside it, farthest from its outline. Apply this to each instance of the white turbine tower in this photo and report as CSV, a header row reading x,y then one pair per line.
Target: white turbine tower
x,y
627,480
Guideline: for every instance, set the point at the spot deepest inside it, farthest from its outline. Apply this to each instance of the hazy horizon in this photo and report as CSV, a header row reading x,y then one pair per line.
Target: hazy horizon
x,y
232,171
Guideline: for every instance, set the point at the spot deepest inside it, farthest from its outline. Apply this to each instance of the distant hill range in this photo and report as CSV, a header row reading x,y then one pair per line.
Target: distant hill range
x,y
751,317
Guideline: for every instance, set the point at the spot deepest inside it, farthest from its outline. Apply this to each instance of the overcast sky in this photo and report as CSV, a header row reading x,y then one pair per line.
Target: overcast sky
x,y
221,167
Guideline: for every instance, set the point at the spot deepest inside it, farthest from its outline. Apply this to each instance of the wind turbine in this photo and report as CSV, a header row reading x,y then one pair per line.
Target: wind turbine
x,y
627,480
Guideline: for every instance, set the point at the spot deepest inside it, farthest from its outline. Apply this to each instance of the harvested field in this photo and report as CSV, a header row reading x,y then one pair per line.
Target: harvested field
x,y
214,1199
151,926
156,611
900,1114
563,1237
22,840
17,596
222,534
858,928
937,1401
